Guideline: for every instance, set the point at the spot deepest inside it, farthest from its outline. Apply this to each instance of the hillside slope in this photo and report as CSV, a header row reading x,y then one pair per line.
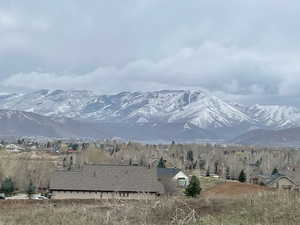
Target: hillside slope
x,y
284,137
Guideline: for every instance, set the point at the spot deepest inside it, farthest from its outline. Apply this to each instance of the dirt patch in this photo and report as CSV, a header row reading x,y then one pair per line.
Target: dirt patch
x,y
230,189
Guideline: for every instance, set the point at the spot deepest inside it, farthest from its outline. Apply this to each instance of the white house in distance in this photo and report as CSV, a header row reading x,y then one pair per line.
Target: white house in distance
x,y
176,174
13,148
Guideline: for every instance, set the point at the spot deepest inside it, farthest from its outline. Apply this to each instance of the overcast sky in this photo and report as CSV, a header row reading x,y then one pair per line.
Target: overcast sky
x,y
245,50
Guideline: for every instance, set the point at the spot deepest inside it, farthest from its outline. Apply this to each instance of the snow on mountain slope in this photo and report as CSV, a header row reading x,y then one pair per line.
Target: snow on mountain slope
x,y
195,107
275,116
137,106
209,111
192,108
48,103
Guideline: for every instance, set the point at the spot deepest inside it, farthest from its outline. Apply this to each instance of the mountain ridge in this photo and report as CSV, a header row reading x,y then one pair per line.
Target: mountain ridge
x,y
189,110
144,106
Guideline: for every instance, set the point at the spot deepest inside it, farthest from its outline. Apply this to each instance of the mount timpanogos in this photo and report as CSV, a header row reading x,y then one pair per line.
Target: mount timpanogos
x,y
157,115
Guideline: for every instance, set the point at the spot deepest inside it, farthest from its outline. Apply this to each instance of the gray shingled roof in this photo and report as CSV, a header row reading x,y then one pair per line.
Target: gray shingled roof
x,y
115,178
293,175
167,171
275,177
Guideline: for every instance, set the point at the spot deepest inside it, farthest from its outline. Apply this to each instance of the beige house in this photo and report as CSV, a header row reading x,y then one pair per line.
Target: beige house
x,y
280,181
106,182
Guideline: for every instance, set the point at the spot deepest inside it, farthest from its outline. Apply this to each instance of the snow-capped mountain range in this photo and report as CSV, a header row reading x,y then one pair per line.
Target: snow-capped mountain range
x,y
187,109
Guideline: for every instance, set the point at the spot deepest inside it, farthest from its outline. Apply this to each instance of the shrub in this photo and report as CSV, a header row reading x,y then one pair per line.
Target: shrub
x,y
242,177
30,190
193,189
275,171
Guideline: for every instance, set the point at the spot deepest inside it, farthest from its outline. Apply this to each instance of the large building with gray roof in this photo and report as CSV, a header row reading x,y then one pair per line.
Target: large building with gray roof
x,y
106,181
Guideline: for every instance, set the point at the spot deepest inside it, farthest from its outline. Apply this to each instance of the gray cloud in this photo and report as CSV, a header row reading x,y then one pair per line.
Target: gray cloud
x,y
248,49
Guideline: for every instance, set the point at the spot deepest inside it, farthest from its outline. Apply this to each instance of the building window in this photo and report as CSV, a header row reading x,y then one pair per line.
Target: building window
x,y
181,182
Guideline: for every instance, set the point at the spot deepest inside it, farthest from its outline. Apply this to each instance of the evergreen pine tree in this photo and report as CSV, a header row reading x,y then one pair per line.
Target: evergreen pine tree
x,y
216,167
207,172
193,189
275,171
190,156
8,186
130,162
242,177
227,173
161,163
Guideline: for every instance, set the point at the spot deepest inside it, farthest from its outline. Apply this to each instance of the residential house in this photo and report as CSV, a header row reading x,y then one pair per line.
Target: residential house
x,y
106,182
13,148
280,181
293,172
175,174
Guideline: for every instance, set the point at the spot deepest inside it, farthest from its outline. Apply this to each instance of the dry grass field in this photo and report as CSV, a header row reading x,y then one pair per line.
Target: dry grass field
x,y
260,208
219,204
209,182
231,189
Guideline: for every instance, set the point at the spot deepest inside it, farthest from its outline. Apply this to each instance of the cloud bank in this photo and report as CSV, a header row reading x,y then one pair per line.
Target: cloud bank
x,y
243,49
